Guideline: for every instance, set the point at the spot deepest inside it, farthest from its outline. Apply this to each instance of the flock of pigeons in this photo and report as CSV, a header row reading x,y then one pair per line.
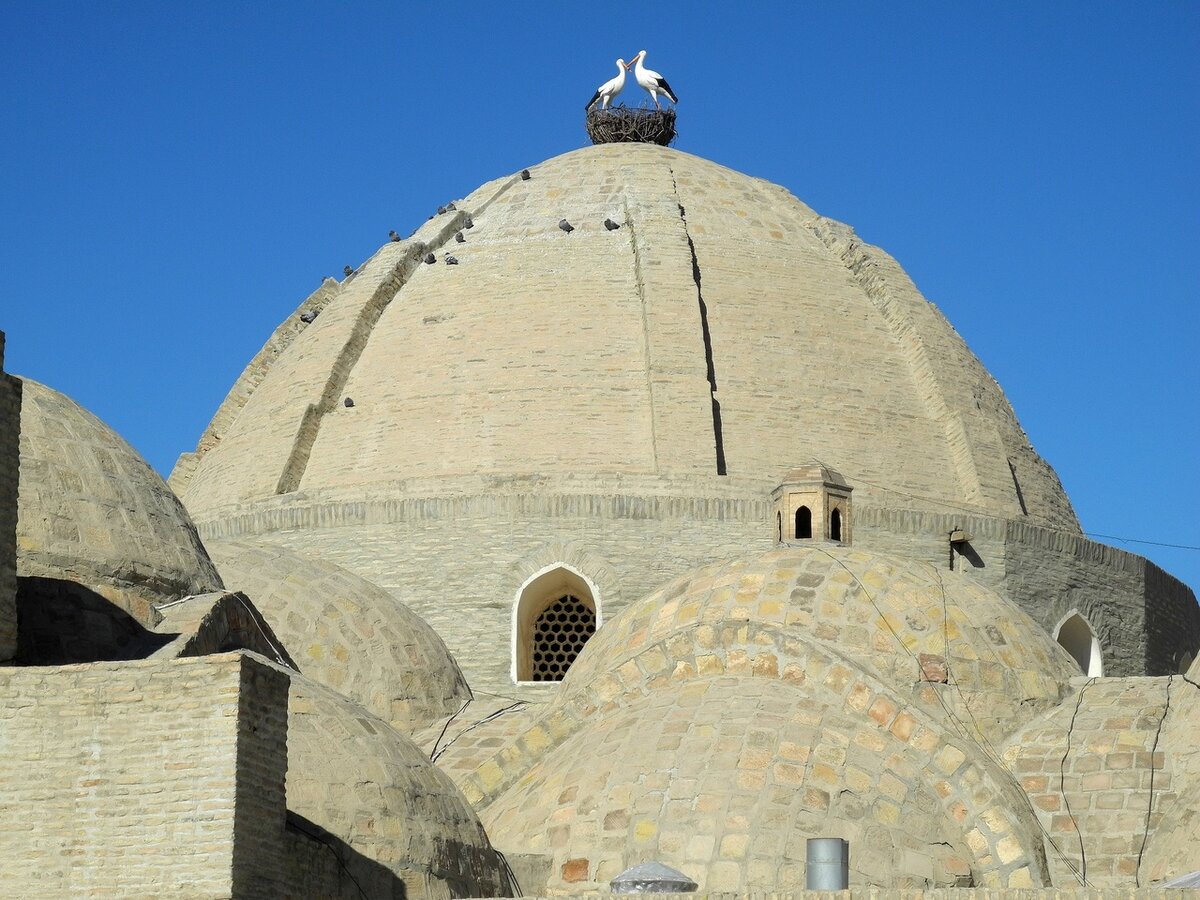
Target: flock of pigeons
x,y
653,82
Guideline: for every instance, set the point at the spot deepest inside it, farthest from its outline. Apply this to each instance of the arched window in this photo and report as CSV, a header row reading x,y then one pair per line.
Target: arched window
x,y
1075,635
779,524
803,522
555,614
835,525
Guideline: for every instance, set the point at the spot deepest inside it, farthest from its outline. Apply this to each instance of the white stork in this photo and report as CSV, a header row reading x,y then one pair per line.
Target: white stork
x,y
651,80
609,90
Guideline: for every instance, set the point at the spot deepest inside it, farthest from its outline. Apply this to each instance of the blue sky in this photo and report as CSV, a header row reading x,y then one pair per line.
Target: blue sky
x,y
177,177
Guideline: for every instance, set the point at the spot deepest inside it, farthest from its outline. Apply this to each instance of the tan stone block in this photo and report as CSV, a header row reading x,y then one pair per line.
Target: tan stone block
x,y
1009,849
1020,878
1048,802
883,711
733,846
817,799
903,726
887,813
723,876
976,841
645,830
788,774
574,870
766,665
859,697
949,760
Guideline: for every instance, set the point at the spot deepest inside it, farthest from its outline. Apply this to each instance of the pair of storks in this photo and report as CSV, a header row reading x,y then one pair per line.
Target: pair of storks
x,y
647,78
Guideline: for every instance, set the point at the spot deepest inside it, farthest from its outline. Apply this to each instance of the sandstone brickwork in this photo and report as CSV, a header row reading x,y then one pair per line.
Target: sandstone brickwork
x,y
91,507
349,634
144,778
639,392
1113,777
10,431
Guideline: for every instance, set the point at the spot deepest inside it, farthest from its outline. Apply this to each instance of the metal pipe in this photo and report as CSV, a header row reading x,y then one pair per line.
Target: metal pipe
x,y
827,864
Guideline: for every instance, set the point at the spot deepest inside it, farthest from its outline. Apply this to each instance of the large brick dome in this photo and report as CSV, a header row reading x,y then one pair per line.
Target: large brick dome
x,y
613,384
596,353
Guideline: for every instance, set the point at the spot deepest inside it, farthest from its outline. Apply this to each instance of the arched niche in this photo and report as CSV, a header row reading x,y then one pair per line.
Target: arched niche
x,y
835,525
803,523
555,612
1075,635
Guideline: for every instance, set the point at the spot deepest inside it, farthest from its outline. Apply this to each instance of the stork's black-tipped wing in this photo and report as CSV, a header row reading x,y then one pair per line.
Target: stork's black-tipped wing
x,y
595,97
666,89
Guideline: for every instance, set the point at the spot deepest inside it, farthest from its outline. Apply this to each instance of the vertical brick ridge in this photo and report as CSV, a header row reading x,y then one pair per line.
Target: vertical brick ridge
x,y
252,376
259,860
388,289
858,259
10,432
339,373
639,277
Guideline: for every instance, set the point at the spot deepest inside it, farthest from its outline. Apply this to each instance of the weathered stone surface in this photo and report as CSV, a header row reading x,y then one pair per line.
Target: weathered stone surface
x,y
349,634
93,513
10,431
549,392
104,766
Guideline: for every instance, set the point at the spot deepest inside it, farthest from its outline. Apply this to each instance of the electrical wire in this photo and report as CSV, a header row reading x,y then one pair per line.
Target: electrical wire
x,y
954,719
975,510
474,725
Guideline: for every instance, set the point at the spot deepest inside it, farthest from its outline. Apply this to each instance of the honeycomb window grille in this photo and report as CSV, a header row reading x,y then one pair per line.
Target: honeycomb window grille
x,y
559,633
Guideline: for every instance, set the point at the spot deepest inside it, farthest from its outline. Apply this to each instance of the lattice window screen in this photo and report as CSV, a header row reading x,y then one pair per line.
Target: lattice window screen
x,y
559,634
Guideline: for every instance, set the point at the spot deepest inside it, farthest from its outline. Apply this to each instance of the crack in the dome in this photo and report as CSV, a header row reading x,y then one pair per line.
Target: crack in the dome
x,y
711,370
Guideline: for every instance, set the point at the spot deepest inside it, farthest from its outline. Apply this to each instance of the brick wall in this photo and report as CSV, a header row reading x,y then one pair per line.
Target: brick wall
x,y
457,555
1089,767
143,778
10,429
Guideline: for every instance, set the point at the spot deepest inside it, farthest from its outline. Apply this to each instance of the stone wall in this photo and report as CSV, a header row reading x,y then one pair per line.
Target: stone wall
x,y
1144,618
143,778
10,431
1091,768
458,552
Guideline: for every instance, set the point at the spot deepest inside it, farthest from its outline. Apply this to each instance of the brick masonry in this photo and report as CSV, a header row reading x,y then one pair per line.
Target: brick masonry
x,y
10,430
144,778
556,389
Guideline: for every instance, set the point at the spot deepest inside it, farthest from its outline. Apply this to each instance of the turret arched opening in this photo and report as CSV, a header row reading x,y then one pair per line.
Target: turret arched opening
x,y
803,523
556,611
1075,635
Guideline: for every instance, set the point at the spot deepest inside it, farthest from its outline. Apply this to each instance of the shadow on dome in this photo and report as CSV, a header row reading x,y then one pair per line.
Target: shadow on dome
x,y
60,622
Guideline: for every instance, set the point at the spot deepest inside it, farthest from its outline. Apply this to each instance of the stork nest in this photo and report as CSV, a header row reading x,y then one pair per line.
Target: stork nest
x,y
620,124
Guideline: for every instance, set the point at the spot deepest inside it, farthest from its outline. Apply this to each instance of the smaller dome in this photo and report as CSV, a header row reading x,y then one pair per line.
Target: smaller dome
x,y
349,634
93,513
882,612
815,472
725,779
368,785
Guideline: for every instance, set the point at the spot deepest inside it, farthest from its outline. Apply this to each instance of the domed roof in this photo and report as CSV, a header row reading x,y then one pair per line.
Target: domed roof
x,y
723,331
92,512
726,781
349,634
784,688
885,613
369,786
